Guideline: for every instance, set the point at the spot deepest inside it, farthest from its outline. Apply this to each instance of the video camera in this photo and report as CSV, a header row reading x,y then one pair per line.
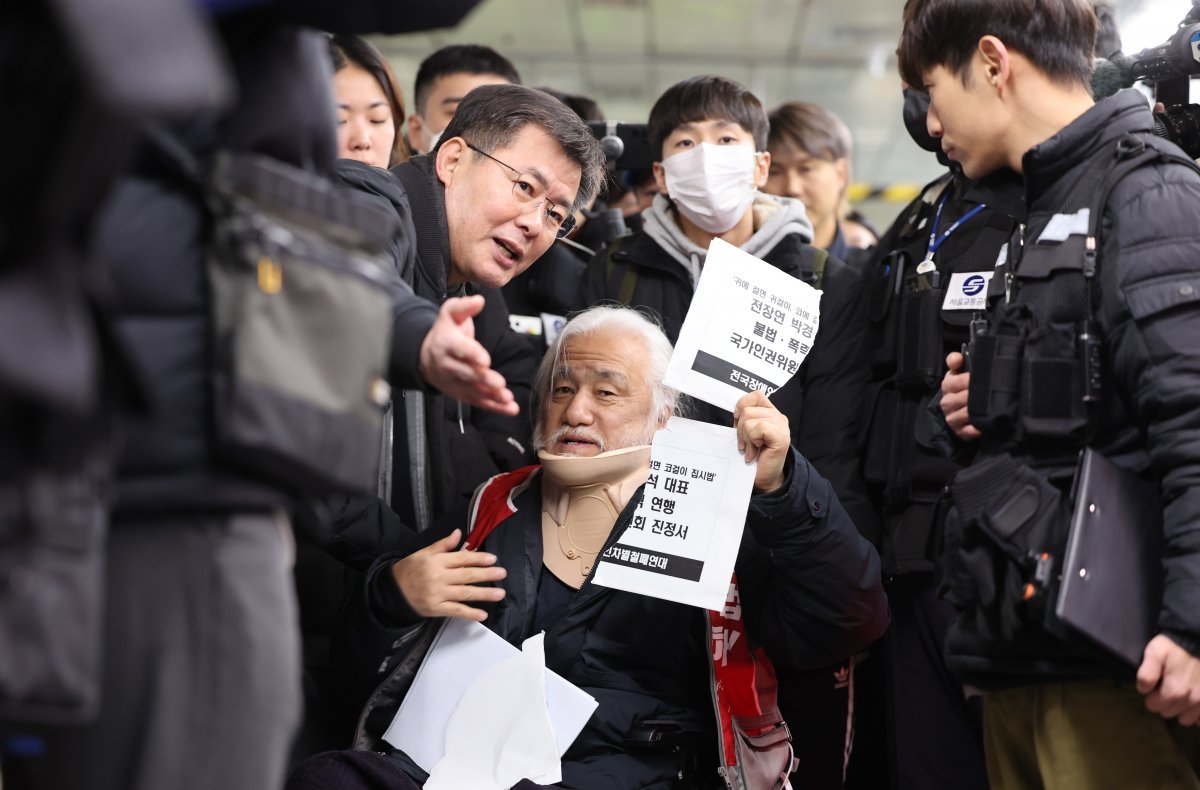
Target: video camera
x,y
1169,68
625,145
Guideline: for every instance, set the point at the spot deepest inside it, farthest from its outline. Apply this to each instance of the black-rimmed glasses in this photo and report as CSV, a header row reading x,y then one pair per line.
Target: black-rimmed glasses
x,y
529,195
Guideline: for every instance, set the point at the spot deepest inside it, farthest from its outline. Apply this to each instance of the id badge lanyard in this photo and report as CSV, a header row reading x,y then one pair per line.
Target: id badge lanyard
x,y
927,270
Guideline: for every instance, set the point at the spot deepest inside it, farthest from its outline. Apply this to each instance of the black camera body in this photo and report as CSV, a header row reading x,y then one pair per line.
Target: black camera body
x,y
625,145
1169,68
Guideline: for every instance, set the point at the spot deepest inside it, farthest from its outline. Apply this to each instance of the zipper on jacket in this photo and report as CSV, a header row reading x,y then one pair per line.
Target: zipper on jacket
x,y
414,412
617,530
1010,276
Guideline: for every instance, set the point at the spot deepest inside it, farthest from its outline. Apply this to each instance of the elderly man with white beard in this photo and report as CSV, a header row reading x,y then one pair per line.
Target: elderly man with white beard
x,y
809,587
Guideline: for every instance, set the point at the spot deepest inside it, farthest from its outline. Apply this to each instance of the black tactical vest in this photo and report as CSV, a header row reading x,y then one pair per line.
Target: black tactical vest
x,y
1040,392
915,322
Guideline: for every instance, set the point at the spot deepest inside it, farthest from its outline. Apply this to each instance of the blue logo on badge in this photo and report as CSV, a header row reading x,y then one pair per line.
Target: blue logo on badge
x,y
974,285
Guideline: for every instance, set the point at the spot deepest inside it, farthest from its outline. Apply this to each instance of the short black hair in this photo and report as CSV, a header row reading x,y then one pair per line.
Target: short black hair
x,y
460,59
491,116
1057,36
585,107
701,98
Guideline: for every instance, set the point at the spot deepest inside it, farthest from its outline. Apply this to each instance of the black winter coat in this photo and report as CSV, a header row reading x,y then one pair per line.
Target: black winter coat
x,y
1150,317
810,595
823,401
149,246
463,446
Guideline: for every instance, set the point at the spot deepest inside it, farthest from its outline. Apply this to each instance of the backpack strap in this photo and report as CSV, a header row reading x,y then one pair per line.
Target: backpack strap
x,y
621,280
819,258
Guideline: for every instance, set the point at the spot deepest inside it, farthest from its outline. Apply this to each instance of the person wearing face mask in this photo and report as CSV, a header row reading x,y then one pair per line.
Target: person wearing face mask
x,y
712,135
925,281
443,79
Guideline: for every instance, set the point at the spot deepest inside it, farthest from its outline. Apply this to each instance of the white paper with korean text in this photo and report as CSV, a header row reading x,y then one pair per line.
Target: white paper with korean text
x,y
683,539
750,327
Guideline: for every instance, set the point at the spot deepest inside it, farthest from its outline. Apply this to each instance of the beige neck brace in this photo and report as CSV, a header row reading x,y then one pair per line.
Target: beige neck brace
x,y
581,499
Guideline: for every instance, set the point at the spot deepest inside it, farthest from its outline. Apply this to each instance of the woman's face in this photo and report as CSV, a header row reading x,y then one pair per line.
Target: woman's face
x,y
366,129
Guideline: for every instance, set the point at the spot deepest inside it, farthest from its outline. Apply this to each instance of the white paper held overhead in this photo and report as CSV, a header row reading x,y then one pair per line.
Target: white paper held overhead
x,y
750,327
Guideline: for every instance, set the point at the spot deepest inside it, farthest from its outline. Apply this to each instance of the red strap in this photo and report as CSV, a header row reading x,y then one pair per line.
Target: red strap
x,y
493,503
745,678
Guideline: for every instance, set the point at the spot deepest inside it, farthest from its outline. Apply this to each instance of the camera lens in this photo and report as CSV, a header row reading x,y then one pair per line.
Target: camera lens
x,y
1181,125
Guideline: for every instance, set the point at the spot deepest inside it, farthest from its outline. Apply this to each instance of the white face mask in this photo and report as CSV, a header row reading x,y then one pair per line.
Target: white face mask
x,y
433,136
712,185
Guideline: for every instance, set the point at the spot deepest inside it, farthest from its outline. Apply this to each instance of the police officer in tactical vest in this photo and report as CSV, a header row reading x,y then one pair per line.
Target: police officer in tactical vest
x,y
926,283
1088,342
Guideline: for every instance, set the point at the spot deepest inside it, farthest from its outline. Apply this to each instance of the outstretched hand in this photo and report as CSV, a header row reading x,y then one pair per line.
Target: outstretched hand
x,y
452,359
438,579
763,433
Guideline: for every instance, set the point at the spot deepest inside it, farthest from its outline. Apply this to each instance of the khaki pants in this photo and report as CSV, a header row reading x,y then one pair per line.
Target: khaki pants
x,y
1082,735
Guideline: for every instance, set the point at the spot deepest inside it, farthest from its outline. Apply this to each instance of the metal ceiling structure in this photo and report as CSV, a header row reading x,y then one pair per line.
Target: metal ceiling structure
x,y
624,53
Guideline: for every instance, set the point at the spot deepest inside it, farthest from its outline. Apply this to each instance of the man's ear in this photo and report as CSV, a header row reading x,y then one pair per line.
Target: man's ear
x,y
995,61
762,168
660,178
450,155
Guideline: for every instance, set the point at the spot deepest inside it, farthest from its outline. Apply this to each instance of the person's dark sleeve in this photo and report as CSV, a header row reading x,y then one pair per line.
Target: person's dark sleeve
x,y
835,378
412,315
1151,287
364,528
811,586
376,615
412,318
508,438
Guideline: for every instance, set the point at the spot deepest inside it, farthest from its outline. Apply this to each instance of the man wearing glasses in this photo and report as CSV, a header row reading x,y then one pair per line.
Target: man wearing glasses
x,y
501,185
492,196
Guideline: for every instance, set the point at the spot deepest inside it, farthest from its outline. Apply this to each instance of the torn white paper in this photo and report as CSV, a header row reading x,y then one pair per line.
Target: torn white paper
x,y
683,539
500,733
749,327
462,651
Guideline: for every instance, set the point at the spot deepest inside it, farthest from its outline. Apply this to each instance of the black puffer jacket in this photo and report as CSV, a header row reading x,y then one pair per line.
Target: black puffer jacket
x,y
149,246
822,401
810,595
1150,316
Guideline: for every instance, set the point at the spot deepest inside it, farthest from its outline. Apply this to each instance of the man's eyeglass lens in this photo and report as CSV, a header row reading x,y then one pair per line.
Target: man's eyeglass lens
x,y
525,193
